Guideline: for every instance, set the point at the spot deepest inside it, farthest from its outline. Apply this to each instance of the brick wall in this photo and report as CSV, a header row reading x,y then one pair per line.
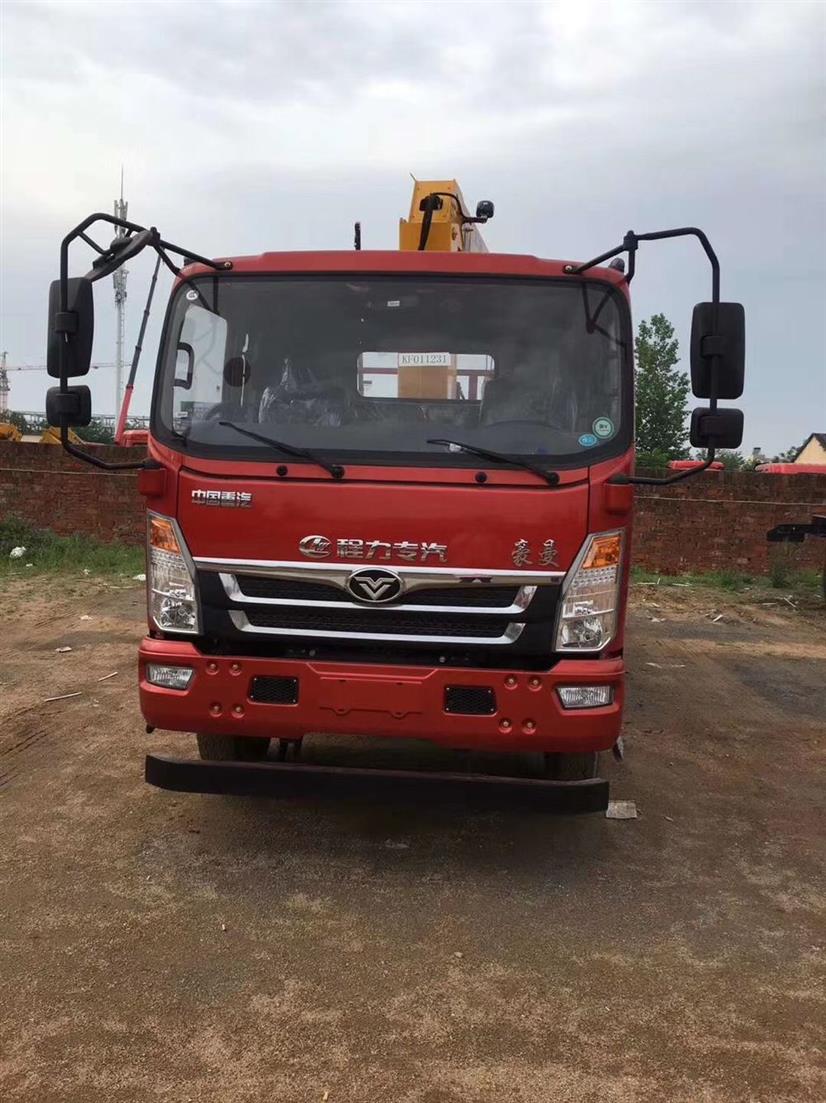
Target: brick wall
x,y
719,520
41,484
712,522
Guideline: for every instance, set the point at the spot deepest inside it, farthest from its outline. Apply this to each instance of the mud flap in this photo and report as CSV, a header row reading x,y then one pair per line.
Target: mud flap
x,y
289,779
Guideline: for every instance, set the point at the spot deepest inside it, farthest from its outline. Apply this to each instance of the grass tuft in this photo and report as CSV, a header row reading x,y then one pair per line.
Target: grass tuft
x,y
781,576
49,553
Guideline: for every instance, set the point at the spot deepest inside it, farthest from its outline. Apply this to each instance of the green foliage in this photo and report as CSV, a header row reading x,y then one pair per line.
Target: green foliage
x,y
96,433
731,460
48,552
13,418
662,392
790,455
652,461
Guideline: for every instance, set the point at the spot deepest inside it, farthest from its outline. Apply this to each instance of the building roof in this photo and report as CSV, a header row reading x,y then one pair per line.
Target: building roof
x,y
819,437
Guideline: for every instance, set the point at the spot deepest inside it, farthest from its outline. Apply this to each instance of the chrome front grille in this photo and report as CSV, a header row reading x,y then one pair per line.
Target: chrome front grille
x,y
434,606
292,591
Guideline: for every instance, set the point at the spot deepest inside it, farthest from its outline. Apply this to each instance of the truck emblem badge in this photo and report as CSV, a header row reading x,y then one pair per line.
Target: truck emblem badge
x,y
315,547
374,584
231,498
521,554
321,547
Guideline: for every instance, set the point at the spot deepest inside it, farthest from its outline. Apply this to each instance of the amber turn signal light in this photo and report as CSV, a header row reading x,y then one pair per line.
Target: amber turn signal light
x,y
604,551
162,535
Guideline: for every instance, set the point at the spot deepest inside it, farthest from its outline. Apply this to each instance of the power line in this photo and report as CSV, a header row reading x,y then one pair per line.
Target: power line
x,y
42,367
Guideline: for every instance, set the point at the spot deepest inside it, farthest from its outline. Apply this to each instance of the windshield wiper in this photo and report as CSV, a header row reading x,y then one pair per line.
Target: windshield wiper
x,y
550,477
335,470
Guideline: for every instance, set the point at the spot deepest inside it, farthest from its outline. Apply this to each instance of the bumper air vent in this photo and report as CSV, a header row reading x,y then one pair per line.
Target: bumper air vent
x,y
470,700
274,691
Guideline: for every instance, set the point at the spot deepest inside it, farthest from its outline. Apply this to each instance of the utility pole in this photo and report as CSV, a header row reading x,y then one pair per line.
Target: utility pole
x,y
119,281
4,384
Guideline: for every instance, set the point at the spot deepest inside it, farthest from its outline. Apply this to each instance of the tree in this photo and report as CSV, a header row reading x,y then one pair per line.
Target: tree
x,y
11,417
96,433
790,455
730,459
662,394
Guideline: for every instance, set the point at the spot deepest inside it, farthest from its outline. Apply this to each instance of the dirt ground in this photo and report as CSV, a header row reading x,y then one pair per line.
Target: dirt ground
x,y
156,946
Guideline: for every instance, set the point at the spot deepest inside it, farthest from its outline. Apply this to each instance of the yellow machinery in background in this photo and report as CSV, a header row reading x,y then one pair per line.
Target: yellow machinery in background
x,y
52,436
9,431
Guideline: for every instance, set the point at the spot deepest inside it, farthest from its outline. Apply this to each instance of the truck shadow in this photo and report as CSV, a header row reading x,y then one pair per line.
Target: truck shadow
x,y
424,838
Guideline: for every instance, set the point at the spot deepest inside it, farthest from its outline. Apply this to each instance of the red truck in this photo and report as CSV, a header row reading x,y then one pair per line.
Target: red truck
x,y
390,494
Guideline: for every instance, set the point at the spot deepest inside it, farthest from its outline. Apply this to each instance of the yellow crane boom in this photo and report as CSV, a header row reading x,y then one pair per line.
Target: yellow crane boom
x,y
439,221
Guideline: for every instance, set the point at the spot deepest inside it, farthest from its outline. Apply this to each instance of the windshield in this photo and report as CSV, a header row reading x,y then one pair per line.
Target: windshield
x,y
377,368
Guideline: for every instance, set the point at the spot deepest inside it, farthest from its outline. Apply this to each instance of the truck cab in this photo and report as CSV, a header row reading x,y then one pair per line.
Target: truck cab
x,y
390,494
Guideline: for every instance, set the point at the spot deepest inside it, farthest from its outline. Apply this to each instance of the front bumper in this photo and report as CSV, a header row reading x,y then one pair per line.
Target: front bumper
x,y
402,702
281,779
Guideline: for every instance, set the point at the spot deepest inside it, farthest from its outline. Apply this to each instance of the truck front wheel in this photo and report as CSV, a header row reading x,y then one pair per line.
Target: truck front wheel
x,y
571,767
232,748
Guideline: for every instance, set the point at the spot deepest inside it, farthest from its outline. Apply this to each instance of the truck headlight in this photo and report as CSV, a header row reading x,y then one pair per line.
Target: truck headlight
x,y
590,595
173,600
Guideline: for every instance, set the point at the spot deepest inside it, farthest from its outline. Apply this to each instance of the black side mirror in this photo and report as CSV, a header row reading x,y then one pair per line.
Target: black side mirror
x,y
716,428
72,407
72,329
724,343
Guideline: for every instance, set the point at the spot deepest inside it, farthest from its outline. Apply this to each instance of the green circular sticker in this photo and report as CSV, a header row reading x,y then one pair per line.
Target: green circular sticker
x,y
603,428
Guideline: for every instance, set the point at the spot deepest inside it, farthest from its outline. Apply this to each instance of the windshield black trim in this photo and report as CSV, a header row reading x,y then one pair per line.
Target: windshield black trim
x,y
616,446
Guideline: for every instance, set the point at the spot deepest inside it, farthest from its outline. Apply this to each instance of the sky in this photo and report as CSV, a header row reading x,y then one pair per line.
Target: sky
x,y
244,127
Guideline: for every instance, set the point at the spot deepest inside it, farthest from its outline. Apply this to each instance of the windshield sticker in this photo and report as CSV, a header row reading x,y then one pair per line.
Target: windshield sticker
x,y
603,427
192,296
588,440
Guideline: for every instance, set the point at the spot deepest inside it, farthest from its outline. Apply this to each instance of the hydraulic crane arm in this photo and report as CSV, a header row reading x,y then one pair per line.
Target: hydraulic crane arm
x,y
439,221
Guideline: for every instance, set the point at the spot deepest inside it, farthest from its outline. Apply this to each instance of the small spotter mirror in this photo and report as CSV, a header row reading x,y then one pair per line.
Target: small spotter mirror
x,y
72,407
716,428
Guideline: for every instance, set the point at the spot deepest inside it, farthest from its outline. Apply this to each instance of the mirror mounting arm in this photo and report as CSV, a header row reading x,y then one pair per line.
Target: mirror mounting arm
x,y
650,480
67,321
630,244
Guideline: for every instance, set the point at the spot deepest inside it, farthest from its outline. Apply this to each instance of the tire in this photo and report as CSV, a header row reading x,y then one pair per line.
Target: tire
x,y
572,767
232,748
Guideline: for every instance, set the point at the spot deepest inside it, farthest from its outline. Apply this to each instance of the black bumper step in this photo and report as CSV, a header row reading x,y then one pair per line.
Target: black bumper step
x,y
287,779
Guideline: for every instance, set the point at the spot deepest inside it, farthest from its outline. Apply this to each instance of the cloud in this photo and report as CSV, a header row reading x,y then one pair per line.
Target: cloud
x,y
247,126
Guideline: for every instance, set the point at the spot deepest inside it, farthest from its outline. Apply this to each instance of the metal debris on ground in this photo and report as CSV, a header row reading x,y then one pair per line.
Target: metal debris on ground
x,y
62,697
62,650
718,617
621,810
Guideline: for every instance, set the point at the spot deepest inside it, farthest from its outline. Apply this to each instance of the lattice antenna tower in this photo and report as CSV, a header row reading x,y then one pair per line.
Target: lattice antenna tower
x,y
4,385
119,282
